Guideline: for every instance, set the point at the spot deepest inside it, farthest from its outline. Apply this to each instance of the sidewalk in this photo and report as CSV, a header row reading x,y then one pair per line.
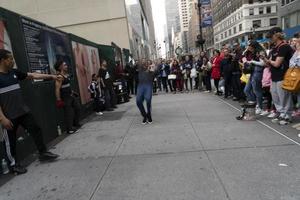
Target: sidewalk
x,y
194,150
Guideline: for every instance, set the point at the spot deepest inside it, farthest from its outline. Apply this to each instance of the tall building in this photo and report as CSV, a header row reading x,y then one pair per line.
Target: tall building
x,y
184,14
127,23
173,24
237,20
194,31
289,13
193,27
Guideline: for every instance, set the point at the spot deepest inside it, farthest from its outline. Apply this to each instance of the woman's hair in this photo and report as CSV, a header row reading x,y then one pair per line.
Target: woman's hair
x,y
177,63
217,51
58,64
205,60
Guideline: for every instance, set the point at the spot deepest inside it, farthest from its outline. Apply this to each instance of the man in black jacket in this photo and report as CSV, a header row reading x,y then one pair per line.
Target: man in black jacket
x,y
226,72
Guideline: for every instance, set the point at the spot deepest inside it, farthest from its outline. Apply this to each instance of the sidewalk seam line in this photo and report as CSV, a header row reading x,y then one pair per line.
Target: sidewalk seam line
x,y
110,162
210,161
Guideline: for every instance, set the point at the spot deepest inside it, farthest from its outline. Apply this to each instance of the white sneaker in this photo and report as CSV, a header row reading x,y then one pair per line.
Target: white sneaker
x,y
264,113
285,121
99,113
258,111
272,115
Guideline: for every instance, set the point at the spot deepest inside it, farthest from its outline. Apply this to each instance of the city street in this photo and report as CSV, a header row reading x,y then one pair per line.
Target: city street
x,y
194,150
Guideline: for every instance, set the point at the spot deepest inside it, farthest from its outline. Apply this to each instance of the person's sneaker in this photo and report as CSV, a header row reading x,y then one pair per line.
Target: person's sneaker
x,y
72,131
47,157
264,113
144,120
277,119
18,169
149,119
258,111
272,115
99,113
235,99
285,121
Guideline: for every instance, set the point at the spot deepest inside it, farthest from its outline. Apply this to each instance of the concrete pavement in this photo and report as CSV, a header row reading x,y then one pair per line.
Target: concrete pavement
x,y
194,150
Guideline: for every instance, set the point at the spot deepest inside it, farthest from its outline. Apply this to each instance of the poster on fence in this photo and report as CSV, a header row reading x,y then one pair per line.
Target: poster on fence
x,y
4,38
87,63
44,46
206,13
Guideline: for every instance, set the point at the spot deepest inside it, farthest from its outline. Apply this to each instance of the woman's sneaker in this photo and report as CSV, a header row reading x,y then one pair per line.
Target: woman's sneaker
x,y
144,120
265,113
278,119
258,111
99,113
285,121
273,115
149,119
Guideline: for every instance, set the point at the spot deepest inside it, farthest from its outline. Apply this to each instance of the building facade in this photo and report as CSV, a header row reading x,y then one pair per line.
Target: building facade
x,y
173,24
101,22
237,21
193,27
289,13
184,15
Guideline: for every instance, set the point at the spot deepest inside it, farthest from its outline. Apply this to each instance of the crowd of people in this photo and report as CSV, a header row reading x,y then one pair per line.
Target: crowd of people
x,y
253,75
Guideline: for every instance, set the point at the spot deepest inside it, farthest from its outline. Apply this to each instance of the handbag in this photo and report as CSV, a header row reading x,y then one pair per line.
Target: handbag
x,y
171,77
291,81
266,80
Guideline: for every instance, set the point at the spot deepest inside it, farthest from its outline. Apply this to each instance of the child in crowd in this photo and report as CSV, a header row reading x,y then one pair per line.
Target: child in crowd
x,y
95,91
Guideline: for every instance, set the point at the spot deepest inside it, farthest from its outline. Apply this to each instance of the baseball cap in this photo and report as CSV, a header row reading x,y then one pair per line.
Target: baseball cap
x,y
273,31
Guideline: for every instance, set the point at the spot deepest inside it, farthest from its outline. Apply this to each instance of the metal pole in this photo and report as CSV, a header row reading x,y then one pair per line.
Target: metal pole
x,y
200,24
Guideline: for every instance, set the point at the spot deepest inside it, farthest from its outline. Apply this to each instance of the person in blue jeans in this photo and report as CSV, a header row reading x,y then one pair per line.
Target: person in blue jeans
x,y
253,89
144,90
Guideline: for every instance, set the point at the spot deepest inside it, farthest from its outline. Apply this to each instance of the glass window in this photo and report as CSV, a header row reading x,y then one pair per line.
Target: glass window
x,y
234,30
293,19
229,32
268,9
282,2
256,23
251,11
250,1
273,21
240,27
225,34
261,10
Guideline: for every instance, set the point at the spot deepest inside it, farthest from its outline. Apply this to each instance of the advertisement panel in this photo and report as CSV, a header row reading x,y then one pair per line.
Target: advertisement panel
x,y
4,38
206,13
44,46
87,63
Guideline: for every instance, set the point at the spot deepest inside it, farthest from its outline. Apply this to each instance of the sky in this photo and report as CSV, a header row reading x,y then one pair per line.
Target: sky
x,y
159,18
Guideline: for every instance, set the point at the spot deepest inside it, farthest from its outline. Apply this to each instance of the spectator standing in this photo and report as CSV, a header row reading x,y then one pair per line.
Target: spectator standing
x,y
226,72
279,61
216,70
66,98
107,84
